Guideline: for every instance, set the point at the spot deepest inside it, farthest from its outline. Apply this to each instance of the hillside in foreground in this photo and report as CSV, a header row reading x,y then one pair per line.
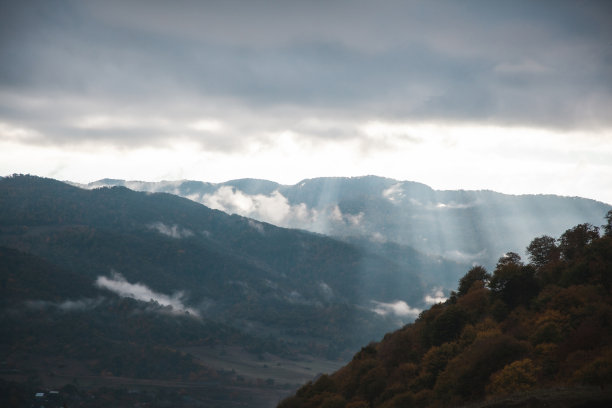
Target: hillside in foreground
x,y
526,335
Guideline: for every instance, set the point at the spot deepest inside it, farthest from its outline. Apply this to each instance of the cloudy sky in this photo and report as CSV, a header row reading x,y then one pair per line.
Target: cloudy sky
x,y
514,96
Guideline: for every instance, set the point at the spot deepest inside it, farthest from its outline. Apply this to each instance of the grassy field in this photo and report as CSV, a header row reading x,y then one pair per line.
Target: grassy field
x,y
291,372
245,380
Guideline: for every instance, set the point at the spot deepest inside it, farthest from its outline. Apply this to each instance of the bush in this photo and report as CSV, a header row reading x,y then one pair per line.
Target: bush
x,y
515,377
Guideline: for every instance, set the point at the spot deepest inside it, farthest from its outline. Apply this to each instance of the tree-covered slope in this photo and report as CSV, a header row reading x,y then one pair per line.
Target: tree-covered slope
x,y
305,291
527,334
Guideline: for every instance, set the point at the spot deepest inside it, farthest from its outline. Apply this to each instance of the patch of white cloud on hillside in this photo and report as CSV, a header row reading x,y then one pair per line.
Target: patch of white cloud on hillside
x,y
173,231
378,238
326,290
436,296
398,309
117,284
353,220
257,226
66,305
273,208
454,206
395,194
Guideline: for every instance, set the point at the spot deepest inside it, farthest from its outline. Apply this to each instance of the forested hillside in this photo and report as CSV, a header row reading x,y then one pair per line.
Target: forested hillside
x,y
534,333
119,285
239,272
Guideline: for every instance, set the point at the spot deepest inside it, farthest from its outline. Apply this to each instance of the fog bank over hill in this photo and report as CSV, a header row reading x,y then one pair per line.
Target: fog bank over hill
x,y
463,226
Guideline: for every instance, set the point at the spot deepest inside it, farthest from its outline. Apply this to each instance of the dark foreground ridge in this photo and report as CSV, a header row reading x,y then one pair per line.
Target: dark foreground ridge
x,y
528,335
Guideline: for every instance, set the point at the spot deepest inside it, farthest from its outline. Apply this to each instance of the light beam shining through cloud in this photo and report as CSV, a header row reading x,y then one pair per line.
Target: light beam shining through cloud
x,y
514,97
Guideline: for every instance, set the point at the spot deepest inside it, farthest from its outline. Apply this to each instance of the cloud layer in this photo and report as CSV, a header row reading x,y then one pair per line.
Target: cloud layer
x,y
153,90
134,72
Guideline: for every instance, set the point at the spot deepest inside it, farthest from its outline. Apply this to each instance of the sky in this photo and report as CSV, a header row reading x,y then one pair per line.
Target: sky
x,y
511,96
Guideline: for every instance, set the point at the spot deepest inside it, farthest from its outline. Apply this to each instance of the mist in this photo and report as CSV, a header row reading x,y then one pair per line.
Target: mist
x,y
173,231
66,305
399,309
117,284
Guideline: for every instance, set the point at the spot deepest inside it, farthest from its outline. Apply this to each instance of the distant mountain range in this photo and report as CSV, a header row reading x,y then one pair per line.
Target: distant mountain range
x,y
463,226
112,283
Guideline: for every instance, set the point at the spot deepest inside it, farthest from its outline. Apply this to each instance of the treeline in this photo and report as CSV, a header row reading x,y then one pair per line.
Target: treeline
x,y
525,326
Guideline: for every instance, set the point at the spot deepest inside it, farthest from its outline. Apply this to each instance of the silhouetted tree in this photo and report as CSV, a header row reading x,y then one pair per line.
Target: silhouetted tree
x,y
543,250
608,227
574,240
477,273
509,258
514,283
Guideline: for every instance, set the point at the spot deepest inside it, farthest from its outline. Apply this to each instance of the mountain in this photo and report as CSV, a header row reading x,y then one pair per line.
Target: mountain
x,y
131,297
174,244
463,226
117,284
527,335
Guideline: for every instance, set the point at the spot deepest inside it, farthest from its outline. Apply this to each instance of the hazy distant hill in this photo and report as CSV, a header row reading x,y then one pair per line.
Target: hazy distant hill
x,y
465,226
228,268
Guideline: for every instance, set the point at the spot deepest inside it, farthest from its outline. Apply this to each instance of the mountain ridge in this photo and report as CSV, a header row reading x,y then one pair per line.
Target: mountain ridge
x,y
455,224
105,181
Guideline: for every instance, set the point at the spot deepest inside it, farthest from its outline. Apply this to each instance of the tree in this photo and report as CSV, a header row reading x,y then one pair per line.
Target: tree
x,y
435,361
358,404
447,325
467,375
608,227
543,250
373,383
514,283
334,401
477,273
597,372
515,377
405,399
509,258
573,241
291,402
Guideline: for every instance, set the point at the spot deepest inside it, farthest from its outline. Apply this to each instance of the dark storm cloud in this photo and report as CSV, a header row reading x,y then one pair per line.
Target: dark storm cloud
x,y
539,63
